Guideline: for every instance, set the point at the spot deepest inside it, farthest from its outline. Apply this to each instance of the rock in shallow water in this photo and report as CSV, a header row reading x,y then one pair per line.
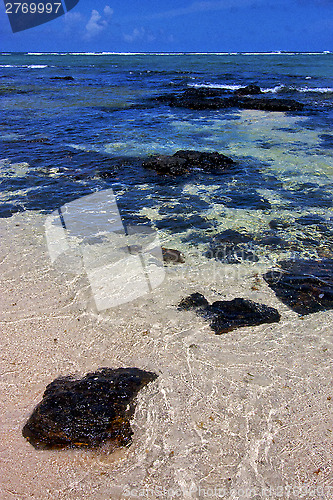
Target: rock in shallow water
x,y
212,99
68,78
249,90
227,315
305,286
193,301
185,161
172,255
86,412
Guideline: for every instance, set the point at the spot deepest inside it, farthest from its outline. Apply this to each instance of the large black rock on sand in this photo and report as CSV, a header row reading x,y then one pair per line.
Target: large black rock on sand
x,y
227,315
185,161
305,286
86,412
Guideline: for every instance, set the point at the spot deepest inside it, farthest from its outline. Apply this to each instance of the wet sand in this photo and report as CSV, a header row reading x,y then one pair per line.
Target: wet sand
x,y
247,414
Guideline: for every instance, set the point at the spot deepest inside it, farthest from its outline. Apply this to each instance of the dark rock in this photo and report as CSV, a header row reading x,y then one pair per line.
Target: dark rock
x,y
278,224
227,315
177,224
68,78
206,161
193,301
167,165
305,286
7,210
86,412
173,224
167,98
171,255
232,236
272,240
212,99
249,90
183,162
266,104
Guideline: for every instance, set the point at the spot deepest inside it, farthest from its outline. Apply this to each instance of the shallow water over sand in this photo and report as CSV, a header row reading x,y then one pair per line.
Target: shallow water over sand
x,y
247,413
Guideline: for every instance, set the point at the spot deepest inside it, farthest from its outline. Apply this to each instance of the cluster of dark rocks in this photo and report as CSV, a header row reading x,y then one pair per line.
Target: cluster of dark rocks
x,y
97,408
305,286
227,315
243,98
311,232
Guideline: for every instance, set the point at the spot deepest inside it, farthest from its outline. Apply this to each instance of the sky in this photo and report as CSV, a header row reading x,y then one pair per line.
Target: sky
x,y
174,26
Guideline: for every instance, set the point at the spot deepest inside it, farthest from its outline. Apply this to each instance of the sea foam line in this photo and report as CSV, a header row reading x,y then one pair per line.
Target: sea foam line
x,y
30,66
273,90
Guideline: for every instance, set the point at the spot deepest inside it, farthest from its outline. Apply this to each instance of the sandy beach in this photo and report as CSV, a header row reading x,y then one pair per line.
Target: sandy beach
x,y
247,414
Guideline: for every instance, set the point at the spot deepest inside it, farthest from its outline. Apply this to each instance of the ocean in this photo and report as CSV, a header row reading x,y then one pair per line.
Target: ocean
x,y
65,138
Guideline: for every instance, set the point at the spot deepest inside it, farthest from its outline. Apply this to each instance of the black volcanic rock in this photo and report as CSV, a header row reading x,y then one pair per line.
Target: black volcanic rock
x,y
227,315
305,286
185,161
232,236
279,224
193,301
213,99
266,104
208,162
86,412
66,78
249,90
167,165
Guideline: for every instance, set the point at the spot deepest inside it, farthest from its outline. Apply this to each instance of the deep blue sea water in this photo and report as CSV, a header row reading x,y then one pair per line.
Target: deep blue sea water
x,y
64,138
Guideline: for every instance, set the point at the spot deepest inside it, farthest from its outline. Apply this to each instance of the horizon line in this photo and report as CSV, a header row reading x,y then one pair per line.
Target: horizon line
x,y
274,52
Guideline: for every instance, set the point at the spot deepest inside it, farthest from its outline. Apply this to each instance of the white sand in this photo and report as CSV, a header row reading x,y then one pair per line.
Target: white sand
x,y
244,415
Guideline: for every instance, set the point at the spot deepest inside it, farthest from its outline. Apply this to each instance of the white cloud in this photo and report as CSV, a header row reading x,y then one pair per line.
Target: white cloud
x,y
98,23
108,12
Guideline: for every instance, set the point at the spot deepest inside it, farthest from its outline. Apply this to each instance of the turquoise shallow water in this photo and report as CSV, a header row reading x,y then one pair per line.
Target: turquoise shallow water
x,y
60,139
